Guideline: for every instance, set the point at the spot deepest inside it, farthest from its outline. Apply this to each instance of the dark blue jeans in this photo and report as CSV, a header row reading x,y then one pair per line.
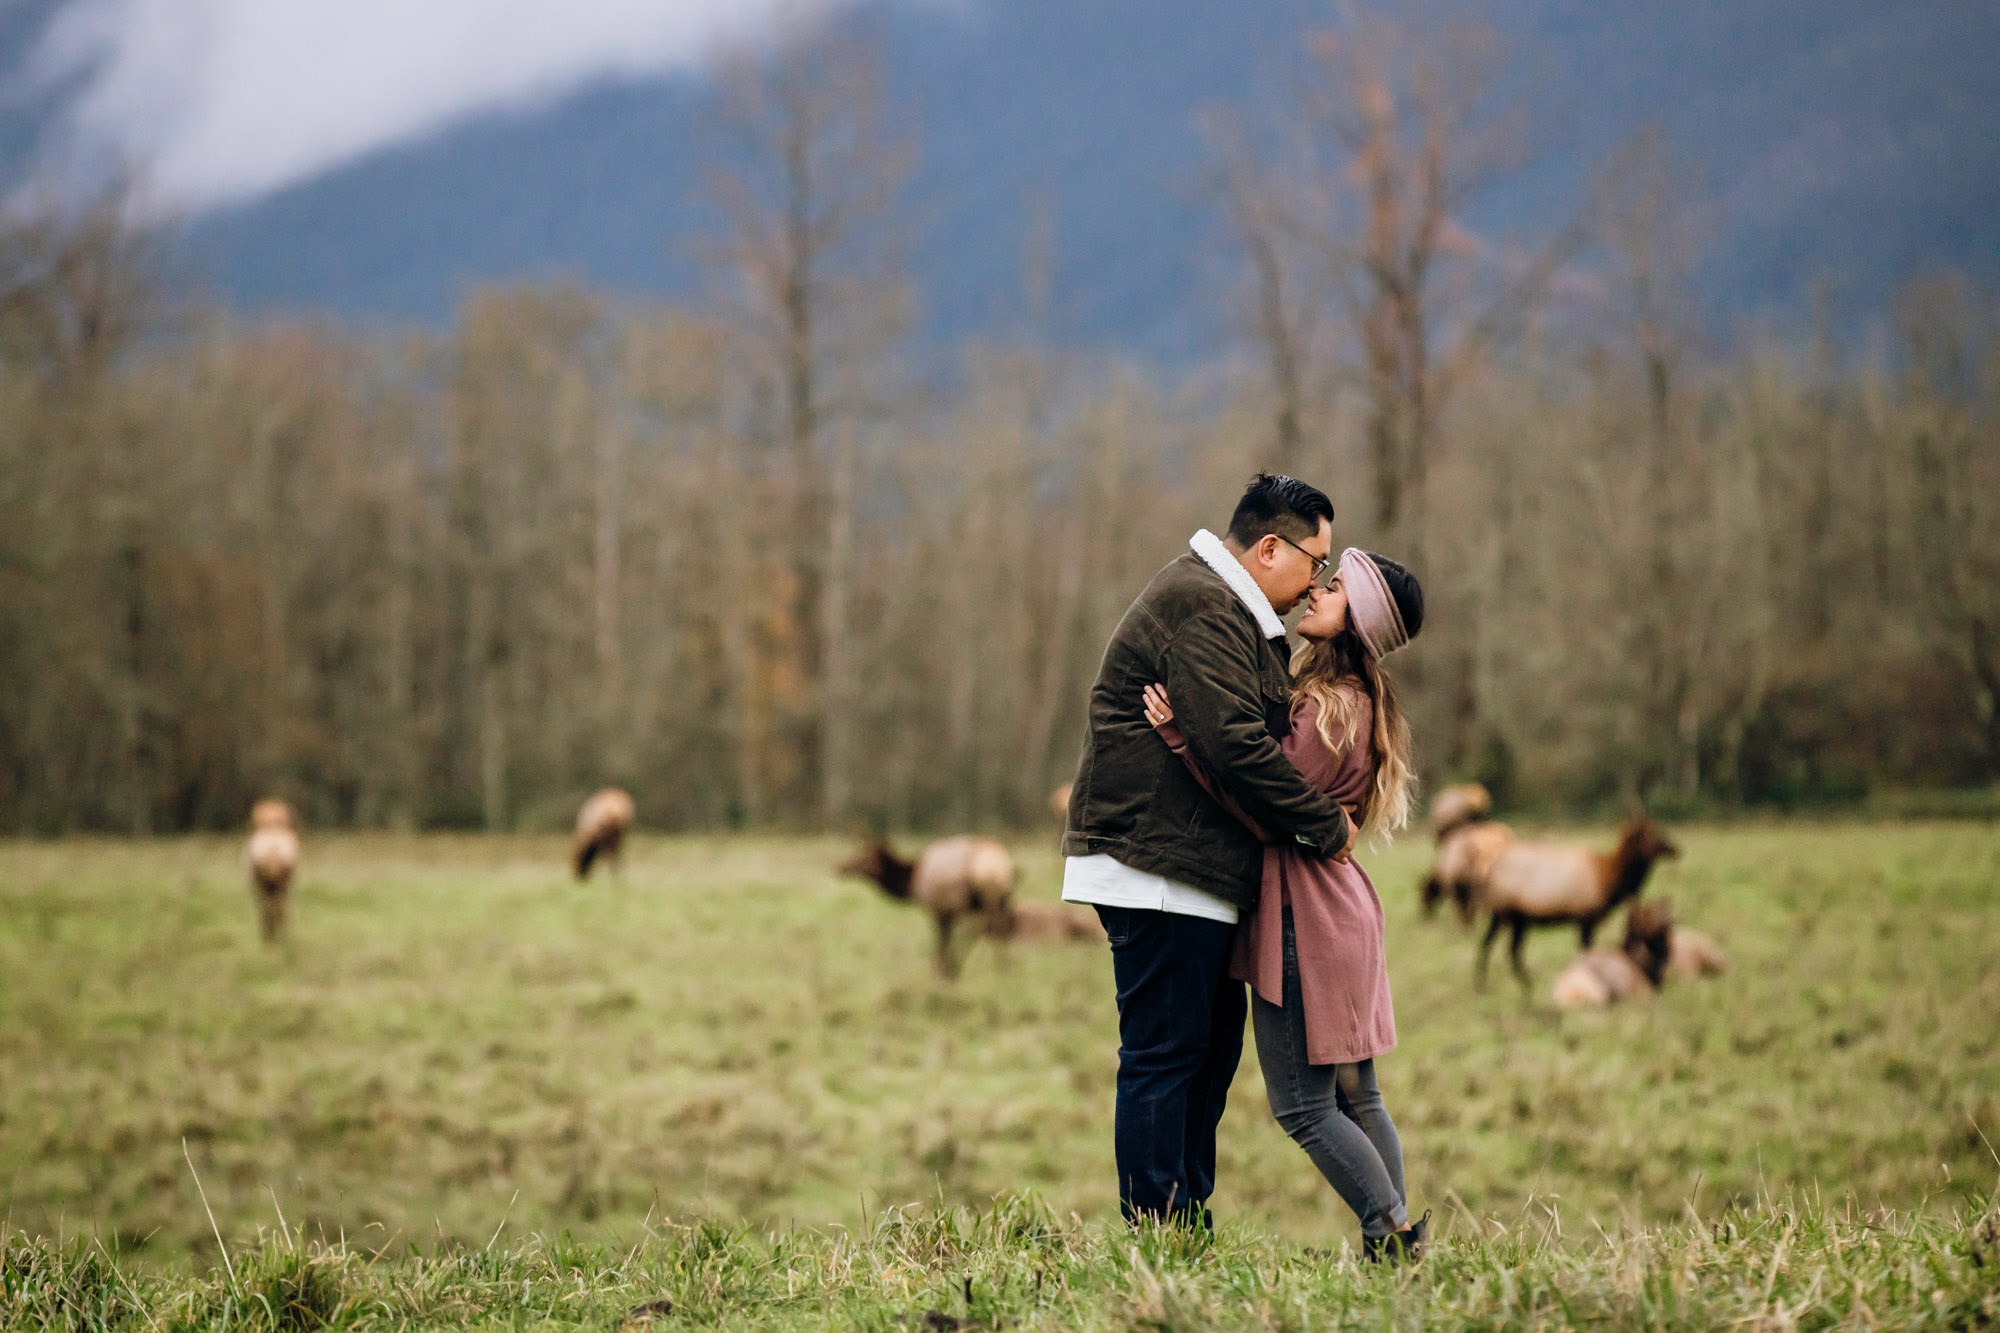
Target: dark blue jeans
x,y
1180,1035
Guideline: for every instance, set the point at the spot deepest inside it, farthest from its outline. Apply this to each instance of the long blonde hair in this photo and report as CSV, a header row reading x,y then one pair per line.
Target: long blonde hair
x,y
1337,674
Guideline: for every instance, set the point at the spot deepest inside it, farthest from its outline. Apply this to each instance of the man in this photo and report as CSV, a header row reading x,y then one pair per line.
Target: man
x,y
1167,868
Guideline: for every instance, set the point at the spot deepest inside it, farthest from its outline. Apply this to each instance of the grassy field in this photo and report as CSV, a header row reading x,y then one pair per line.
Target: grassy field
x,y
459,1043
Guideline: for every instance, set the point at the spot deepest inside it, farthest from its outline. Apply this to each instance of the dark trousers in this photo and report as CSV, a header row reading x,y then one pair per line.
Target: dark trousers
x,y
1334,1112
1180,1035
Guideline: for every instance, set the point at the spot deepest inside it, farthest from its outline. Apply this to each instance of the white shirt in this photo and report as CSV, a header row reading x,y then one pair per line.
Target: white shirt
x,y
1104,881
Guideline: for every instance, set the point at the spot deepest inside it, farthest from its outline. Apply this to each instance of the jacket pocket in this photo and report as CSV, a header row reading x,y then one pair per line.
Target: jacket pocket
x,y
1278,707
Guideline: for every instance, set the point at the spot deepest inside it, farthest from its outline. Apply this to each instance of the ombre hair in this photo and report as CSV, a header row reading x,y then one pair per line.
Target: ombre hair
x,y
1337,675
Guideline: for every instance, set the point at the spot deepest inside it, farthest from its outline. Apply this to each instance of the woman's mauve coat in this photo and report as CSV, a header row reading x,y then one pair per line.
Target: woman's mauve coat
x,y
1336,915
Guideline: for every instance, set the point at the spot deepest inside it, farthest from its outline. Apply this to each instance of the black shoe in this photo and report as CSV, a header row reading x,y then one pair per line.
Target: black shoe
x,y
1401,1247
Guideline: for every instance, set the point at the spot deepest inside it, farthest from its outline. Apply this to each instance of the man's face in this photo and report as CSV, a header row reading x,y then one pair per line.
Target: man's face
x,y
1284,570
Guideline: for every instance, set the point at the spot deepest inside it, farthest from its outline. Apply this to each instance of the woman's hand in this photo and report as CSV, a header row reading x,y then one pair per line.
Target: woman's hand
x,y
1158,711
1346,851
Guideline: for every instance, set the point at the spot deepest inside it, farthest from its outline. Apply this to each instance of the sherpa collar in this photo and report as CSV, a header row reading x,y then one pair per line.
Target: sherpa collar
x,y
1217,557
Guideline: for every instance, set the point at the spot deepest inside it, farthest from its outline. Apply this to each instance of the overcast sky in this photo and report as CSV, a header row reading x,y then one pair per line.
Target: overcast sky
x,y
220,100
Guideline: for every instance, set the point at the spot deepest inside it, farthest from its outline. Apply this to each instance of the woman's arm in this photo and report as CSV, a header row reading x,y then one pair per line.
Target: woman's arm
x,y
1161,715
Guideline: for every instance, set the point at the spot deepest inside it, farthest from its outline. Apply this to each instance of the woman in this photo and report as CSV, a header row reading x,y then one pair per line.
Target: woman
x,y
1314,952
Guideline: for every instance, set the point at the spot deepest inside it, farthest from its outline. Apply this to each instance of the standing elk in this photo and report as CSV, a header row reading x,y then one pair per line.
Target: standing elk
x,y
273,857
600,830
1601,976
1465,863
953,877
1533,884
1467,843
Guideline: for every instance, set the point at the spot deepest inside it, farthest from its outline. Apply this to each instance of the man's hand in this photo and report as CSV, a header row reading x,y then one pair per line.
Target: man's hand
x,y
1158,710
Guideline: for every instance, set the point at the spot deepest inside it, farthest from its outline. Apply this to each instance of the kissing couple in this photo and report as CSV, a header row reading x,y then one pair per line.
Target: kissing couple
x,y
1212,824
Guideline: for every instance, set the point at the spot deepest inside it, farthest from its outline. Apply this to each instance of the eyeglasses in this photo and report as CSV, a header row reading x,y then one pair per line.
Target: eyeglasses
x,y
1320,564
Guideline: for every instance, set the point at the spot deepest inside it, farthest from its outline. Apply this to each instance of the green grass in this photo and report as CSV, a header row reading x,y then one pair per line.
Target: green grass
x,y
732,1049
1015,1264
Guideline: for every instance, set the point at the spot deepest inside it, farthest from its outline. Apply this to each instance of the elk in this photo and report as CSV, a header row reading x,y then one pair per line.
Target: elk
x,y
1533,884
1043,921
600,830
1459,805
1467,843
953,877
1693,954
1602,976
273,858
1465,862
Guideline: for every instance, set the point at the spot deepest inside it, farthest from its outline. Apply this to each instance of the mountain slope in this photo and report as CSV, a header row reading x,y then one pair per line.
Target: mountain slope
x,y
1839,138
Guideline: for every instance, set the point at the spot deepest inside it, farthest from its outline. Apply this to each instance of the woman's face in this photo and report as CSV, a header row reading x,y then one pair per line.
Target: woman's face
x,y
1326,612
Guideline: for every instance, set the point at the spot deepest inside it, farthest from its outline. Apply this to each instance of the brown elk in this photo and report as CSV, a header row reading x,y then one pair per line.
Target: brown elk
x,y
1602,976
1465,862
1534,884
1467,843
1457,806
953,877
1693,954
600,830
273,858
1043,921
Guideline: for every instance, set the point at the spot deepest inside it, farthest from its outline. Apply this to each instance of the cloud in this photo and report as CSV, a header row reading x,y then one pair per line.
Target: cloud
x,y
221,100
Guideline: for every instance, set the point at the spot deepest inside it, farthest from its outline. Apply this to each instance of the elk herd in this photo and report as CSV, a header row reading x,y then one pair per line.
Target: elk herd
x,y
1521,885
1481,868
962,879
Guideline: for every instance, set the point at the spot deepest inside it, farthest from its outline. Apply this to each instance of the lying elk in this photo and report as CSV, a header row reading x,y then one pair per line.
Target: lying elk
x,y
1468,842
953,877
1043,921
1694,954
1534,884
1602,976
600,830
273,857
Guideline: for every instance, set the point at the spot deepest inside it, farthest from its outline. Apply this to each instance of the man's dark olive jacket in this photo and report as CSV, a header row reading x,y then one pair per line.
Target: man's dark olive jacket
x,y
1230,688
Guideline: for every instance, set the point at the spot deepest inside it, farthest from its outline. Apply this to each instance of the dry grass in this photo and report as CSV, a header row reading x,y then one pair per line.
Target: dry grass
x,y
458,1035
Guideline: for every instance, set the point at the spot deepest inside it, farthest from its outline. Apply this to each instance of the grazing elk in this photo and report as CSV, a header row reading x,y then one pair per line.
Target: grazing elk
x,y
273,857
1599,977
1467,842
1457,806
1693,954
953,877
1465,862
600,830
1533,884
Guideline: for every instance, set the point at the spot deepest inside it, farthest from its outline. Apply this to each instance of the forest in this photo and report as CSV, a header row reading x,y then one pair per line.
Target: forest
x,y
766,562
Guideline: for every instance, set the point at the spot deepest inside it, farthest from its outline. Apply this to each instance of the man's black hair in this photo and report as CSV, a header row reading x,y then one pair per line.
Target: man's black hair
x,y
1274,503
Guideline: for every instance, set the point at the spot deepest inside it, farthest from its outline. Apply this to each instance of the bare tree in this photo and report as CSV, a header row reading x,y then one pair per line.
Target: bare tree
x,y
1952,359
1399,138
1285,296
808,181
77,286
1649,214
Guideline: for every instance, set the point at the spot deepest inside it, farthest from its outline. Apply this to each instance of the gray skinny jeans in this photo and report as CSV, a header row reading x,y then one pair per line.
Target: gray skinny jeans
x,y
1334,1112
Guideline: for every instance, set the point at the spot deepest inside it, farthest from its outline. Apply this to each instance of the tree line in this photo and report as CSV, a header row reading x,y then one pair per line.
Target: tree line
x,y
732,554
